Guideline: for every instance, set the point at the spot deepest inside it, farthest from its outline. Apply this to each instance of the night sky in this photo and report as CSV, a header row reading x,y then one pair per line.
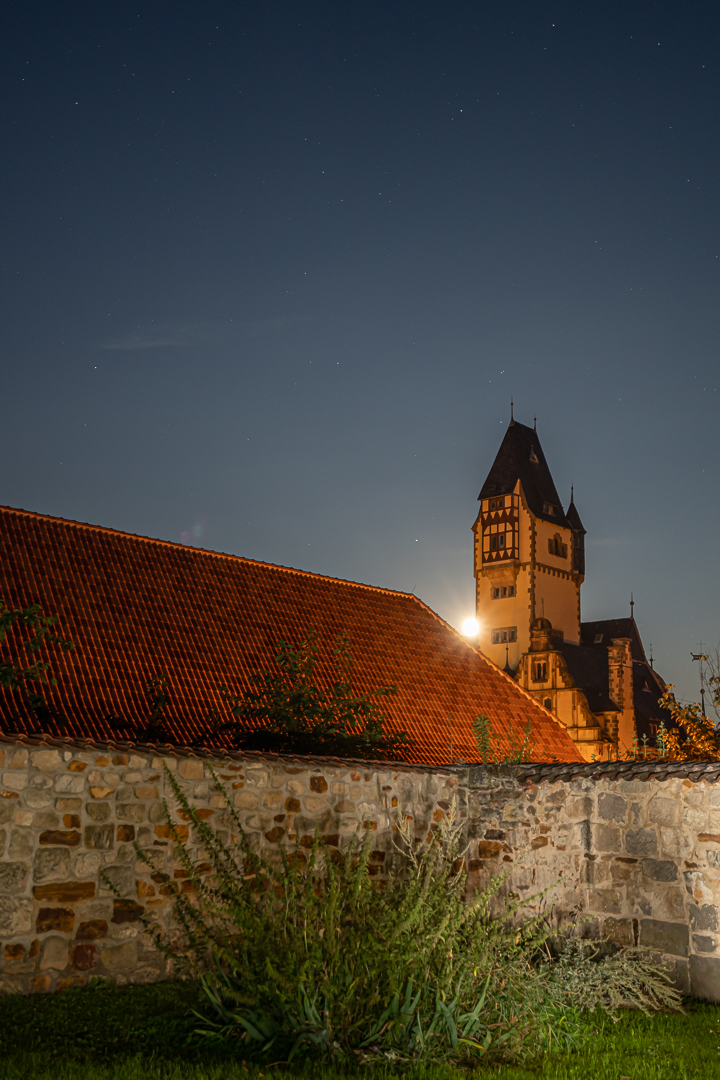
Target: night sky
x,y
271,273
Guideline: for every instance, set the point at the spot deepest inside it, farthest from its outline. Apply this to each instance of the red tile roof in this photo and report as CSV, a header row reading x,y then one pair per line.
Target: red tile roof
x,y
137,608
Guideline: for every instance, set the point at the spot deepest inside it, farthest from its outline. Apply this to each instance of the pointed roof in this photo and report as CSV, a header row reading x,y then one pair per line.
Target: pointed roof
x,y
520,457
137,608
574,518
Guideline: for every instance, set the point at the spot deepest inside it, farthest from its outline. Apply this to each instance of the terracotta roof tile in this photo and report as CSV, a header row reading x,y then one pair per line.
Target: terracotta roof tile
x,y
137,608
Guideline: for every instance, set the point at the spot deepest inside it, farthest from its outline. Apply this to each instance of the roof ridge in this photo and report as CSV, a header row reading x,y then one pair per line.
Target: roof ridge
x,y
206,551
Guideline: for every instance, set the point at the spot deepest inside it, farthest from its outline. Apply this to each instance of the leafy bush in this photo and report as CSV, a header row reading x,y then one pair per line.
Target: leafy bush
x,y
316,955
628,979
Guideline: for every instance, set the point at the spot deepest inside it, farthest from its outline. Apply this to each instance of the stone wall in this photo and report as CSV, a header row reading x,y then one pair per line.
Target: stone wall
x,y
631,850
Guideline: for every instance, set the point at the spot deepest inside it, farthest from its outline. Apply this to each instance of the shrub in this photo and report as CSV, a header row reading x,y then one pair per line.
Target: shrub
x,y
314,955
590,979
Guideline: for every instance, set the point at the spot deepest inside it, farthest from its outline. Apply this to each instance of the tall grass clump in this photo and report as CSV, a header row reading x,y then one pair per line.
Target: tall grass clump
x,y
312,954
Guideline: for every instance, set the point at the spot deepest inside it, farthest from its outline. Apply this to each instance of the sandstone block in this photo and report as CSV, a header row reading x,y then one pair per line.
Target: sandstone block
x,y
100,791
92,929
703,944
15,781
45,760
99,837
276,834
318,784
666,937
18,758
578,808
344,806
7,811
60,919
126,911
125,833
66,837
98,811
272,799
41,983
539,841
121,877
191,769
82,958
314,803
641,842
77,766
608,838
67,892
146,792
489,849
87,864
292,806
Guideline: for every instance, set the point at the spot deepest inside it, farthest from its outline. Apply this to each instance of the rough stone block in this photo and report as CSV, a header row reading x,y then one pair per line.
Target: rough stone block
x,y
101,791
135,812
612,807
7,811
318,784
704,918
99,837
666,937
15,781
98,811
313,803
608,838
659,869
641,842
121,877
292,806
126,911
539,842
703,944
69,783
13,876
51,863
120,957
621,931
663,811
15,916
705,977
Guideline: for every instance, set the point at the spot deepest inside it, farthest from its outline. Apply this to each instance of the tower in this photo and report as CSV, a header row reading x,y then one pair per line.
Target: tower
x,y
529,554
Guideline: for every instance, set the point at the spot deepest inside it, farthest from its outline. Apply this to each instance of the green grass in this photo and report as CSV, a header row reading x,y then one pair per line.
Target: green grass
x,y
145,1033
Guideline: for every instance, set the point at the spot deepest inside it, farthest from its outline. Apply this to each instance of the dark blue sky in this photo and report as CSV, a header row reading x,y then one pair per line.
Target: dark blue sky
x,y
271,272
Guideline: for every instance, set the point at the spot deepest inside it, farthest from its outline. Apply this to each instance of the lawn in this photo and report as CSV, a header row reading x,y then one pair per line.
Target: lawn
x,y
145,1033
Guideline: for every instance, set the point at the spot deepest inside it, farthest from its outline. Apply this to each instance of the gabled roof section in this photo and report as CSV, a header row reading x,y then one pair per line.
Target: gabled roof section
x,y
607,629
137,608
520,457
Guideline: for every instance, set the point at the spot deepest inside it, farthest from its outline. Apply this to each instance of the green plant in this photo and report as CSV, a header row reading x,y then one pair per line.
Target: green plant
x,y
517,751
291,709
311,954
32,630
591,979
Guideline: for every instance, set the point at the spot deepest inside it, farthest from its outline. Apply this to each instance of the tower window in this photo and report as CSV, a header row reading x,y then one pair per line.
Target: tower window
x,y
539,671
497,542
548,703
503,635
501,591
497,504
556,547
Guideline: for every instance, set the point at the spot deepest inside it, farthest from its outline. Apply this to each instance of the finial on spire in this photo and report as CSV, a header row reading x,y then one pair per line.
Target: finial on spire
x,y
651,661
632,607
535,423
572,494
512,417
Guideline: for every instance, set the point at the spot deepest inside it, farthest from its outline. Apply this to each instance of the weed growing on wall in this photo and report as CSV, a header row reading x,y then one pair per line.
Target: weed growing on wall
x,y
310,954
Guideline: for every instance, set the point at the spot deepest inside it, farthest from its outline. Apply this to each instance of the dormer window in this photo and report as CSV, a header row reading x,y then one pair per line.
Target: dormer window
x,y
548,508
497,504
598,639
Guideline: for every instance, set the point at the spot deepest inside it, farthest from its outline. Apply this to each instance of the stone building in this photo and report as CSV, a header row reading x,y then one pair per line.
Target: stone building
x,y
529,568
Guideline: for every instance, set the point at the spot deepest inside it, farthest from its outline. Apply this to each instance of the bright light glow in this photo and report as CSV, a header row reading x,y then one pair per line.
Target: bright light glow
x,y
471,628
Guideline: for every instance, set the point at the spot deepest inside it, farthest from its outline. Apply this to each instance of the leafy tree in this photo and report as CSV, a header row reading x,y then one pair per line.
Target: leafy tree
x,y
287,709
24,632
692,736
153,729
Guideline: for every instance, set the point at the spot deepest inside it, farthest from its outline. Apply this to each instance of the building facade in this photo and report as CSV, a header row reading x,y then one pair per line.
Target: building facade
x,y
529,569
